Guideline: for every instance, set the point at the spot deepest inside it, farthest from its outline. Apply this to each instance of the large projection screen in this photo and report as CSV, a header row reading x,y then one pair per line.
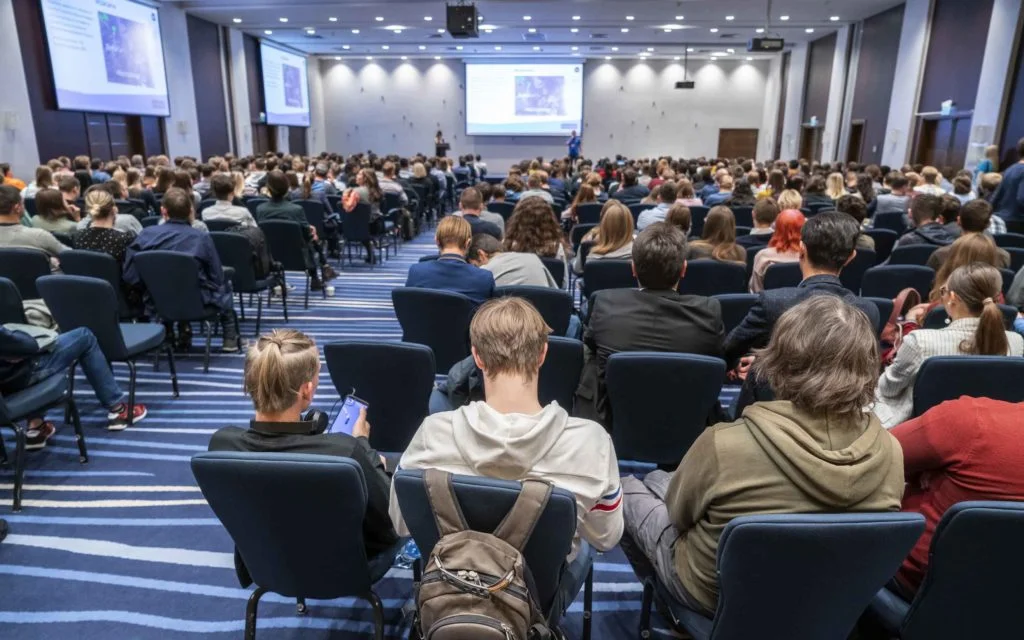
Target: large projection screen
x,y
285,87
530,99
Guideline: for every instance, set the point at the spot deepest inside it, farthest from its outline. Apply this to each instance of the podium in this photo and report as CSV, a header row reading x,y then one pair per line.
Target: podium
x,y
441,149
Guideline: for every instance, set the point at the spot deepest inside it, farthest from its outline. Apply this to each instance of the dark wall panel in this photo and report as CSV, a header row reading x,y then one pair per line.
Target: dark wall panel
x,y
876,70
208,79
254,76
955,51
1013,119
819,77
297,140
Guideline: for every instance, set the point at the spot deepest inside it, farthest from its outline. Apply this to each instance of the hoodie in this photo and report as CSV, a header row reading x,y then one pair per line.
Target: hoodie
x,y
777,459
571,453
932,233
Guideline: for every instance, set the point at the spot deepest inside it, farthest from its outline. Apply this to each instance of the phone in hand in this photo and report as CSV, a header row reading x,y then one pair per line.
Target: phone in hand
x,y
349,415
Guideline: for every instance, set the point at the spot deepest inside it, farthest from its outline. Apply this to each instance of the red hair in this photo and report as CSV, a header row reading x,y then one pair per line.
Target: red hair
x,y
788,225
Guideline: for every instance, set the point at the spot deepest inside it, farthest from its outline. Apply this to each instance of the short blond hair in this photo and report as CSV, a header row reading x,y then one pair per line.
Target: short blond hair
x,y
277,366
453,230
790,199
509,336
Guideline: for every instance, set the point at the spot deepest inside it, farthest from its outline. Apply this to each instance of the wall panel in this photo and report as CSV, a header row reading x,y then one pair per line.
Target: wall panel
x,y
876,71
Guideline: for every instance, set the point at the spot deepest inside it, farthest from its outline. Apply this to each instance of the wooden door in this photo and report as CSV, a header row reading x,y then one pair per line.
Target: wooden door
x,y
943,141
737,143
856,146
810,143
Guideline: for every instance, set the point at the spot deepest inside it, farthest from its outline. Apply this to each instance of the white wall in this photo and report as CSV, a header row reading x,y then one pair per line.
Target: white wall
x,y
17,130
836,96
795,80
630,108
906,89
316,139
239,94
994,78
770,117
183,125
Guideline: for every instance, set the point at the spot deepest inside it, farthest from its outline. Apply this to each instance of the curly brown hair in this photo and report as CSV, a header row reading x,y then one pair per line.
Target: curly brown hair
x,y
533,229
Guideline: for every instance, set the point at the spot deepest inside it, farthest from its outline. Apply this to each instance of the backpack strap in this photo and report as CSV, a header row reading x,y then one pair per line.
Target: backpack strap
x,y
441,495
900,304
517,527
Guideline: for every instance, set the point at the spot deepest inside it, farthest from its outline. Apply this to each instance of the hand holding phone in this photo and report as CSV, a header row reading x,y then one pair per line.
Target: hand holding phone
x,y
352,418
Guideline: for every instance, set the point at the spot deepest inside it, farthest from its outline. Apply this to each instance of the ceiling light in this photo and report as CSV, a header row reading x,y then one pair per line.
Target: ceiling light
x,y
713,29
423,47
536,48
783,18
437,57
440,30
834,18
345,47
575,48
337,57
676,58
311,32
384,47
369,57
236,20
379,18
332,19
458,48
630,18
624,30
574,30
759,30
668,31
355,31
428,18
615,48
809,30
731,50
749,58
405,57
497,48
650,48
269,32
488,30
527,18
730,18
532,30
576,18
283,19
689,50
679,17
607,57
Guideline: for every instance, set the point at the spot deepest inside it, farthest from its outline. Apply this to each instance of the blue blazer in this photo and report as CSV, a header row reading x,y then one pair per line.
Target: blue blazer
x,y
451,272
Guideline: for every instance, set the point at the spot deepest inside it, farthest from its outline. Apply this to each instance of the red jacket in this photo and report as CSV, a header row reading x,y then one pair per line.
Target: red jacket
x,y
966,449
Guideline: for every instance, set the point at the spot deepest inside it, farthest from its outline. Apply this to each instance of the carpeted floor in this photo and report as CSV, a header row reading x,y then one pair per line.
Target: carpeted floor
x,y
126,547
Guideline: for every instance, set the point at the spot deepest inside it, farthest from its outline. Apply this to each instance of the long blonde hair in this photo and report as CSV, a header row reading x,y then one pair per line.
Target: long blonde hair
x,y
835,186
277,366
615,230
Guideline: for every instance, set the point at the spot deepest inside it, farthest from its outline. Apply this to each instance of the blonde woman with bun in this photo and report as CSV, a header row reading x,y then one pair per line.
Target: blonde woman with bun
x,y
101,234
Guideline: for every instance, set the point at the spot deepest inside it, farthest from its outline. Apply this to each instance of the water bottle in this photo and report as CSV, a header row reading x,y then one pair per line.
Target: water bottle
x,y
409,555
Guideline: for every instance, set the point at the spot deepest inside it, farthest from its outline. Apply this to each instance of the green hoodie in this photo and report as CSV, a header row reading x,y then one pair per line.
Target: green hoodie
x,y
776,459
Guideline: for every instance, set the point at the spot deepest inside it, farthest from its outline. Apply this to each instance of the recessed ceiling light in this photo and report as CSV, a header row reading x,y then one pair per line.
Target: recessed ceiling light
x,y
713,29
369,57
532,30
574,30
527,18
650,48
679,17
783,18
536,48
428,18
759,30
731,50
405,57
384,47
624,30
283,19
311,32
809,30
437,57
345,47
332,19
668,31
268,32
497,48
676,58
355,31
730,18
749,58
575,48
337,57
440,30
615,48
488,30
236,20
607,57
834,18
379,18
576,18
630,18
423,47
689,50
458,48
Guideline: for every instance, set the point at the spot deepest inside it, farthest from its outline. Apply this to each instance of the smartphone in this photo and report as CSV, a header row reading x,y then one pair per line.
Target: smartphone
x,y
349,415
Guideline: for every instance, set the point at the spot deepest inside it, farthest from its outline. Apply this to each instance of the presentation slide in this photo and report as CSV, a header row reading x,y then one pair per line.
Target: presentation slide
x,y
524,99
107,56
285,87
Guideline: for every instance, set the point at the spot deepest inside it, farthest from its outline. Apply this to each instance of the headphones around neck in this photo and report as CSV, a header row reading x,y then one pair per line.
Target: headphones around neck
x,y
319,420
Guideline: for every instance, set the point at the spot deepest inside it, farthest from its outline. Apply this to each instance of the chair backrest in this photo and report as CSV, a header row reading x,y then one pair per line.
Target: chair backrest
x,y
204,205
504,209
1008,240
1008,277
711,277
286,243
252,204
942,378
697,216
96,264
767,564
735,307
742,231
356,223
555,266
660,402
166,274
912,254
554,305
438,319
296,519
30,206
560,373
885,240
885,306
392,201
589,213
577,233
888,281
150,221
219,225
81,301
315,214
744,216
484,503
937,318
12,308
637,209
394,378
335,202
1016,258
852,275
22,266
971,588
783,274
892,220
234,251
599,275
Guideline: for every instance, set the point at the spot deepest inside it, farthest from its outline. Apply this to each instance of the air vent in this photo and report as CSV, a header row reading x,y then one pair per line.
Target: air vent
x,y
534,37
596,48
598,36
436,36
729,36
314,37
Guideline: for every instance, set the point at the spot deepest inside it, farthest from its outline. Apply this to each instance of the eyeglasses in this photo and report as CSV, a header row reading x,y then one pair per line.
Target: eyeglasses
x,y
943,290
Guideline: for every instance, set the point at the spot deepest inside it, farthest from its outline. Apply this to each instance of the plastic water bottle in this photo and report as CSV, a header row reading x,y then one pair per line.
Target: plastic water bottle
x,y
330,291
409,555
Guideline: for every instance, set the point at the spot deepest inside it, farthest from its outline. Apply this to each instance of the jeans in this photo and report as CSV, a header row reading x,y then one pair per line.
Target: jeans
x,y
574,574
79,345
438,403
575,330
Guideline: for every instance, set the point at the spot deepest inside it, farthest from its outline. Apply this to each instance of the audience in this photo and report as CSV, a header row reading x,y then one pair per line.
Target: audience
x,y
718,241
679,216
783,247
765,213
611,239
44,180
368,192
724,192
279,208
630,190
9,179
666,197
973,219
686,196
509,268
532,229
451,271
857,209
222,187
15,234
931,182
585,195
790,199
52,213
897,200
101,236
1008,198
471,206
815,195
925,210
535,188
835,187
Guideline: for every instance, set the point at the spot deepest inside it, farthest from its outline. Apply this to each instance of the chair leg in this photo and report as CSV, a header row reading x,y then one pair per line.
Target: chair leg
x,y
131,392
19,464
241,306
323,282
259,312
3,451
250,613
300,606
209,335
308,280
378,616
174,372
83,455
645,610
71,391
284,298
588,603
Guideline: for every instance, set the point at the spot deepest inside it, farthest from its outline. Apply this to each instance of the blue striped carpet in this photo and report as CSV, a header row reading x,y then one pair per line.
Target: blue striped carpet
x,y
126,547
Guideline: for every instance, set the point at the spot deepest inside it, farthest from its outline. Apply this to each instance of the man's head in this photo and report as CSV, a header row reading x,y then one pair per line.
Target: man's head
x,y
471,201
853,206
897,182
453,235
69,186
659,257
176,205
509,338
223,187
725,183
5,170
667,192
925,209
975,216
10,203
534,182
765,212
483,247
277,184
628,178
828,242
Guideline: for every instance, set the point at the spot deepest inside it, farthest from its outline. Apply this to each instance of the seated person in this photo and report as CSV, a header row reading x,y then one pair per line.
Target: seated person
x,y
973,219
279,208
854,206
102,237
535,188
961,450
126,223
765,212
782,248
969,296
282,371
611,239
451,271
725,184
679,216
70,190
52,213
925,210
510,268
718,240
666,197
630,190
812,450
655,317
14,234
510,436
222,187
898,198
471,205
177,234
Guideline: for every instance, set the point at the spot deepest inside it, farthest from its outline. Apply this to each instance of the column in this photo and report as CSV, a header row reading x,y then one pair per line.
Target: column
x,y
239,94
18,144
182,127
316,134
836,97
796,79
993,82
907,84
769,120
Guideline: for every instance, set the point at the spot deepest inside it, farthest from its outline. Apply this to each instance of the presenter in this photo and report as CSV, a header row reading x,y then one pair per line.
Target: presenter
x,y
441,147
575,145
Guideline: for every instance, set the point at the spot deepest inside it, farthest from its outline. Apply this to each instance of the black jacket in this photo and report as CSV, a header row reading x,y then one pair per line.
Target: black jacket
x,y
754,241
637,192
932,233
756,328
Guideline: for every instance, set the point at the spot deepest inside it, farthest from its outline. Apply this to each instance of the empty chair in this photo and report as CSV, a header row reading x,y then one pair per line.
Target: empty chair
x,y
438,319
315,214
779,572
22,266
11,307
599,275
912,254
1008,240
852,275
554,305
783,274
711,277
504,209
888,281
647,393
589,213
892,220
357,230
254,497
735,307
885,240
556,266
944,378
971,588
395,380
288,246
560,373
95,264
885,307
937,318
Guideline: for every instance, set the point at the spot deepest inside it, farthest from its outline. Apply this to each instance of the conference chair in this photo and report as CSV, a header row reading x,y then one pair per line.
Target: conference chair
x,y
888,281
172,280
484,503
783,274
885,240
711,277
1008,277
30,206
81,301
852,275
315,215
820,207
885,307
22,266
65,239
912,254
356,229
560,374
150,221
235,251
11,307
660,403
697,216
554,305
252,204
942,378
937,318
335,202
589,213
556,267
744,216
971,589
95,264
504,209
299,548
742,231
394,378
1016,258
288,246
751,257
795,576
895,221
599,275
637,209
1009,240
735,307
219,225
203,206
577,233
437,319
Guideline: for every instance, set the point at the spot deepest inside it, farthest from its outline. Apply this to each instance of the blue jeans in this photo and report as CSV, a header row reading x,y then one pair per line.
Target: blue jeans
x,y
78,345
438,403
575,330
574,574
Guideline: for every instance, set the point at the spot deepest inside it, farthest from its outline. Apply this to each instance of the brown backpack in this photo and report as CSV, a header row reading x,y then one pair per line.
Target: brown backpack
x,y
476,585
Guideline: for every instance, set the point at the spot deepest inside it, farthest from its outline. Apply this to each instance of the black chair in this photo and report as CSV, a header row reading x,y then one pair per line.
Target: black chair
x,y
288,246
437,319
599,275
1016,258
942,378
735,307
95,264
646,392
1009,240
560,374
820,207
1008,277
888,281
203,206
589,213
892,220
22,266
556,267
577,233
783,274
742,231
937,318
254,497
554,305
711,277
504,209
357,230
744,216
30,206
970,589
81,301
395,380
12,308
219,225
151,221
697,217
637,209
315,215
66,239
335,202
852,275
235,251
885,240
885,306
252,204
166,275
751,257
912,254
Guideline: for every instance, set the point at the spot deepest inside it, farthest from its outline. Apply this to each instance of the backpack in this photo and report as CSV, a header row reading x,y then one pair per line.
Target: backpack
x,y
895,329
475,584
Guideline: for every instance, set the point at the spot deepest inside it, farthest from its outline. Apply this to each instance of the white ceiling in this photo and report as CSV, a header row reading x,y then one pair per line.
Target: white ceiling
x,y
658,28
